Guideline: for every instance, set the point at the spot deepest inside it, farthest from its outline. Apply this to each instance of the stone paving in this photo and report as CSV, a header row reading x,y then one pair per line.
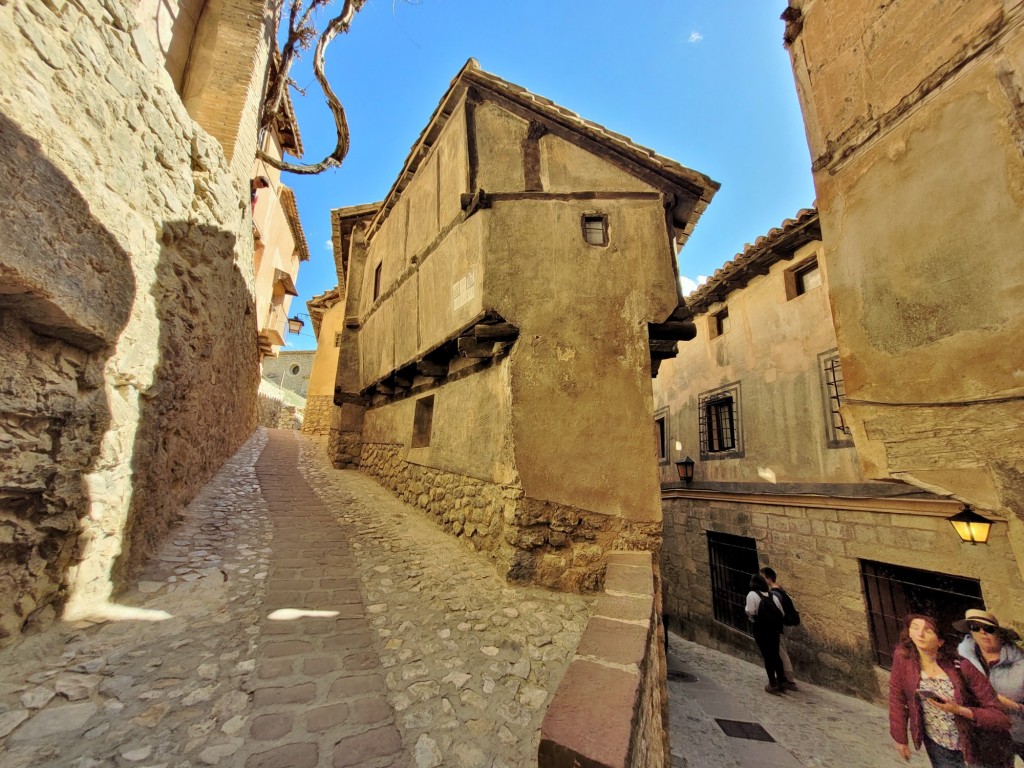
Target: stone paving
x,y
311,619
282,626
811,727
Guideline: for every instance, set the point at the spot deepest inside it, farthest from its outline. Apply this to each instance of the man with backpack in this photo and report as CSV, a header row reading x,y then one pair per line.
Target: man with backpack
x,y
765,611
790,618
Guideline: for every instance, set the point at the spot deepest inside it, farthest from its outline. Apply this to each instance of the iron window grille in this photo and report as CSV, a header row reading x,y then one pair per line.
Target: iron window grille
x,y
718,416
834,394
337,338
733,560
893,591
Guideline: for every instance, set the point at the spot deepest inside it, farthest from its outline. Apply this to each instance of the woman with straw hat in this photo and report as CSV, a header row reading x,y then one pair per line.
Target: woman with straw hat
x,y
993,649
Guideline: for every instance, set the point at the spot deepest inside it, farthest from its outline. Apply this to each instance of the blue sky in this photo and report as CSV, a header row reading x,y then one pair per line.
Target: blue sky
x,y
704,82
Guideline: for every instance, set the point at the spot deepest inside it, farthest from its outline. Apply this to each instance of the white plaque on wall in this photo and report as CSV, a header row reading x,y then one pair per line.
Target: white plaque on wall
x,y
463,290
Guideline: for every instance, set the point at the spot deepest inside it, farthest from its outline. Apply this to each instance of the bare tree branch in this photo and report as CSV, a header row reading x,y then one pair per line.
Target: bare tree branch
x,y
301,33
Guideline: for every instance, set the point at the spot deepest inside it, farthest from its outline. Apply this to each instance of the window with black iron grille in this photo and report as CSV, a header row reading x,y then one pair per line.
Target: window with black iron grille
x,y
337,339
733,561
719,424
834,392
893,591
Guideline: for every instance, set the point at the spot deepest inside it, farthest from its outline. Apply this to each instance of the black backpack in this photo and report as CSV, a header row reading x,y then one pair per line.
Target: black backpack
x,y
769,617
792,615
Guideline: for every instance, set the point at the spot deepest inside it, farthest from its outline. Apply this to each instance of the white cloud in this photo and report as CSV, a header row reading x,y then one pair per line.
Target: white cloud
x,y
695,37
329,245
689,285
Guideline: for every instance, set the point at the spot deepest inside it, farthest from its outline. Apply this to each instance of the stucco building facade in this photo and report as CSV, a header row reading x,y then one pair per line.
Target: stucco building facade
x,y
127,296
500,310
757,400
327,313
280,245
907,106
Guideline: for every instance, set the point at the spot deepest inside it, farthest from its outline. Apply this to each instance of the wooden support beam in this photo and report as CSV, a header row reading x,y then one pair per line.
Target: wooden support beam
x,y
432,369
664,349
350,398
385,388
402,380
684,330
470,347
495,332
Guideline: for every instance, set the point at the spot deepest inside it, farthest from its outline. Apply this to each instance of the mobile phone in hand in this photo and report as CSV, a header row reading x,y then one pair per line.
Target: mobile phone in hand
x,y
929,695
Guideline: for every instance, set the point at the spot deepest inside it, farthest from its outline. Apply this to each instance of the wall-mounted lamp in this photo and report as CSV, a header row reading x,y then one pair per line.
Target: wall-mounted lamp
x,y
295,324
970,526
685,469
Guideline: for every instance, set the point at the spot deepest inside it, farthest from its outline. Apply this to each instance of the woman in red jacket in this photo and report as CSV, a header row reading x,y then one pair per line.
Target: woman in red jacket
x,y
938,697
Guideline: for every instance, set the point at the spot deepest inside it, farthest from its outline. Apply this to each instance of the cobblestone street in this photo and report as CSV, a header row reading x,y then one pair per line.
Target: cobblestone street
x,y
291,627
284,627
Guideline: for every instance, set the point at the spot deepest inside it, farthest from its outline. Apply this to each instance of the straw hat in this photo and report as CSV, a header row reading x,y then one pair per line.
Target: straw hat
x,y
977,616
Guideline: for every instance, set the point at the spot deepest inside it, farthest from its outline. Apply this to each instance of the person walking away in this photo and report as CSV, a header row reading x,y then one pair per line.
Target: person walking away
x,y
993,650
790,618
765,611
938,698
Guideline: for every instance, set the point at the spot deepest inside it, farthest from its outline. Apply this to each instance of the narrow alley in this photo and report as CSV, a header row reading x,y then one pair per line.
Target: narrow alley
x,y
308,618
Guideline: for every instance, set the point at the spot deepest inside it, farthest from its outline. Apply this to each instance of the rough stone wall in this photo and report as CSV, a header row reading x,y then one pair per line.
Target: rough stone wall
x,y
274,413
127,296
318,415
468,508
550,544
817,553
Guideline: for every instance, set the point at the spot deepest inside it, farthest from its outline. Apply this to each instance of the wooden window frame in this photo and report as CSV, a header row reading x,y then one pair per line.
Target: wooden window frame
x,y
596,218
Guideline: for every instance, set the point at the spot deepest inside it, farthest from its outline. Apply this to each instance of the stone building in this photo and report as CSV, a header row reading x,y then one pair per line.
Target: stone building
x,y
129,352
914,113
504,309
327,313
757,401
290,370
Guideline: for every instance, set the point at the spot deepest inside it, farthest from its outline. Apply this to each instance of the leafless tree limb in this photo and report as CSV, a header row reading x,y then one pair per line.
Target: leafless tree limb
x,y
301,33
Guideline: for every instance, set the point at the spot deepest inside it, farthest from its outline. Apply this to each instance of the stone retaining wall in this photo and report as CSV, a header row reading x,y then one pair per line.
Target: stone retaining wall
x,y
611,708
534,541
318,415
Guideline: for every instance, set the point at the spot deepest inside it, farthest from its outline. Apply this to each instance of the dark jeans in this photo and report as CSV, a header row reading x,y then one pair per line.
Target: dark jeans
x,y
768,644
942,757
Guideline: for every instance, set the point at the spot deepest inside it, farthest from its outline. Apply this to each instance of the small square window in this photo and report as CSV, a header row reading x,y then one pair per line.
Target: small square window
x,y
804,277
376,280
595,229
422,422
718,323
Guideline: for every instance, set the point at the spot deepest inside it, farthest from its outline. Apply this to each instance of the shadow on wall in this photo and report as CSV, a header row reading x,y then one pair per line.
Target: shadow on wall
x,y
201,406
66,293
